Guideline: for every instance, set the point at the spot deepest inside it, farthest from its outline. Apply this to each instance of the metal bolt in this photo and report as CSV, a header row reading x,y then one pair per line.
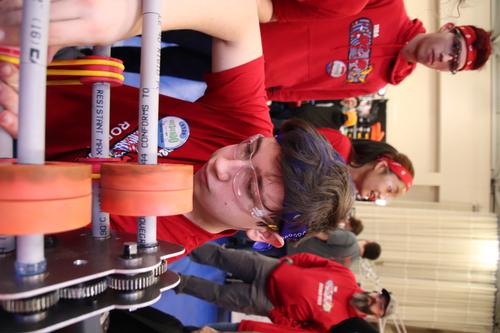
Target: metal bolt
x,y
129,250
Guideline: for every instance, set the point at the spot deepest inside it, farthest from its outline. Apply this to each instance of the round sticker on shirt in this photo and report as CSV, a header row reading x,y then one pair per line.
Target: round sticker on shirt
x,y
336,68
173,132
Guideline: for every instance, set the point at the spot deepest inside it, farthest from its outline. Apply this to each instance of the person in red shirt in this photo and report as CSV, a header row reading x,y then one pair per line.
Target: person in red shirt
x,y
302,291
314,50
245,179
378,170
335,49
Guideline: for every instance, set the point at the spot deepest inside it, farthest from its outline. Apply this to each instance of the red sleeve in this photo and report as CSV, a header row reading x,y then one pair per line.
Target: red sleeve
x,y
339,142
257,326
303,10
239,89
281,319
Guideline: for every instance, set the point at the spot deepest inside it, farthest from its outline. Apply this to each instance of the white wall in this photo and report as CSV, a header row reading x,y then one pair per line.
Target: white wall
x,y
442,121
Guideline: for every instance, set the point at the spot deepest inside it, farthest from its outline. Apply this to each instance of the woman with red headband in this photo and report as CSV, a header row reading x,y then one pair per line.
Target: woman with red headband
x,y
377,169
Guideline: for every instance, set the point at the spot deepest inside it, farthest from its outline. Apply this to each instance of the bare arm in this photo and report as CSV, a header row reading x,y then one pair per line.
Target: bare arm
x,y
234,24
265,8
102,22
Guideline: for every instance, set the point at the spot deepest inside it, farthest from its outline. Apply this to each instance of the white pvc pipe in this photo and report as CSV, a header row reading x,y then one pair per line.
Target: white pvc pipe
x,y
101,94
31,136
30,257
100,113
146,231
148,100
33,72
100,219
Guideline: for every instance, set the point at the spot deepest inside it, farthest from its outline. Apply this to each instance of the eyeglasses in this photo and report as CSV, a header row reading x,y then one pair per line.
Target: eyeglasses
x,y
246,181
456,50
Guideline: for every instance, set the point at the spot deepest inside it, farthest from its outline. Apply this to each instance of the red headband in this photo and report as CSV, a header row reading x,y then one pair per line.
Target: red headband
x,y
400,171
470,37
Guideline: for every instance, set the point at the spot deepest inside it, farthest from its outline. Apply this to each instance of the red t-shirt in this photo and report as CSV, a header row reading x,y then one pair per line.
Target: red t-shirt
x,y
232,109
339,142
335,48
311,293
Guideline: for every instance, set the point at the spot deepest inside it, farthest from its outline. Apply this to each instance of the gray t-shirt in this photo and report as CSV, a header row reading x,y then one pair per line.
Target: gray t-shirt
x,y
341,246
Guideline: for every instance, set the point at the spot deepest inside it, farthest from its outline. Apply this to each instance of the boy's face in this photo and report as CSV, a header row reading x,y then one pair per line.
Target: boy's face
x,y
443,50
225,191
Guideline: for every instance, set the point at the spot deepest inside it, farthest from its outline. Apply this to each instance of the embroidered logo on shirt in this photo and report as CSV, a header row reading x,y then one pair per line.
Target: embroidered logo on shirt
x,y
325,295
360,44
328,296
173,132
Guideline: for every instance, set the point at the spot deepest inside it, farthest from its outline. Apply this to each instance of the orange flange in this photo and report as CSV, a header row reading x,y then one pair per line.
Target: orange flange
x,y
48,198
146,190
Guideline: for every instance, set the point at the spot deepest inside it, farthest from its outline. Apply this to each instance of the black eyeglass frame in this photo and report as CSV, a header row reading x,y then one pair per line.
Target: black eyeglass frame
x,y
456,49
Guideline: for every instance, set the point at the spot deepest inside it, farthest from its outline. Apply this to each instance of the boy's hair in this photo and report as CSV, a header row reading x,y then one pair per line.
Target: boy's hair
x,y
367,151
318,188
372,250
356,225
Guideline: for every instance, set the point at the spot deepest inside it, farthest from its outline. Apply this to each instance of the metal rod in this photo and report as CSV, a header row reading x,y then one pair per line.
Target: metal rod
x,y
30,258
148,111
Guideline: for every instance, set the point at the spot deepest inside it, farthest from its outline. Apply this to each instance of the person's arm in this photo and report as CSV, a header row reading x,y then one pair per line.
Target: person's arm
x,y
102,22
233,23
279,318
341,238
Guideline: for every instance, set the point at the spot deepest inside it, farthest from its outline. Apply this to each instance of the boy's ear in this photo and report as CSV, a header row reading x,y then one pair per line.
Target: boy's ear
x,y
265,235
381,165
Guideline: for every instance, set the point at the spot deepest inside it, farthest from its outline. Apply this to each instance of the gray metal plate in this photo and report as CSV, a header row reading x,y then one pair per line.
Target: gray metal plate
x,y
102,257
67,312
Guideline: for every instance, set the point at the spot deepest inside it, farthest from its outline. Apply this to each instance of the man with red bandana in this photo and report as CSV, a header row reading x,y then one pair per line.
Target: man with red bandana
x,y
335,49
301,291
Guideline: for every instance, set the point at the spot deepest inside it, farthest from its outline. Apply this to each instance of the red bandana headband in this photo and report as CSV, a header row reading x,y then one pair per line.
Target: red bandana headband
x,y
470,37
399,171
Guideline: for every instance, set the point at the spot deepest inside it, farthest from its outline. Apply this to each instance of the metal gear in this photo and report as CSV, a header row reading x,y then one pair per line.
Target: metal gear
x,y
33,304
161,269
131,282
84,290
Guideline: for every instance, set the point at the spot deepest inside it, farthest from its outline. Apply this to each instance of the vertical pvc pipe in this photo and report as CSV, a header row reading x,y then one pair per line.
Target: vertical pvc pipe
x,y
30,258
101,94
100,113
148,111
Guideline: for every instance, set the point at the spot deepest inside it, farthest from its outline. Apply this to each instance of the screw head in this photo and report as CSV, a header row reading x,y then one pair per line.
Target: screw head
x,y
129,250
